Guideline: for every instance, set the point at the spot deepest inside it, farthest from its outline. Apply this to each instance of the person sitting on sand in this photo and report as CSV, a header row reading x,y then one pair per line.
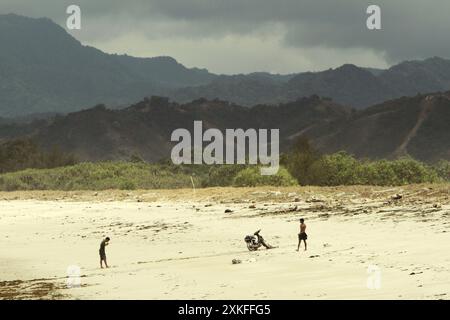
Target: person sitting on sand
x,y
102,252
261,240
302,235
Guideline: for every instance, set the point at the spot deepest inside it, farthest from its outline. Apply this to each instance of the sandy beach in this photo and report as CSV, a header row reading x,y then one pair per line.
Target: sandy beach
x,y
363,243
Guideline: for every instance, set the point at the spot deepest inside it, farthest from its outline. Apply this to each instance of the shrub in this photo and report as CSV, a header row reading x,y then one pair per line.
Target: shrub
x,y
95,176
343,169
335,169
127,185
300,159
20,154
442,169
251,177
221,175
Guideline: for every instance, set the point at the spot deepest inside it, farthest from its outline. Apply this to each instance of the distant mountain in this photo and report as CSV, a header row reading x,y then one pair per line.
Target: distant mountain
x,y
375,71
246,90
44,69
415,126
350,85
413,77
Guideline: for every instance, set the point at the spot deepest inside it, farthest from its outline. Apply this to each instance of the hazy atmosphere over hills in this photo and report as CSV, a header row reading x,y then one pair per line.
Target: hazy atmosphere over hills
x,y
44,69
236,36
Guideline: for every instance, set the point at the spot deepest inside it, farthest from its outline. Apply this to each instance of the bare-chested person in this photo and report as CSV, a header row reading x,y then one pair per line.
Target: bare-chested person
x,y
302,235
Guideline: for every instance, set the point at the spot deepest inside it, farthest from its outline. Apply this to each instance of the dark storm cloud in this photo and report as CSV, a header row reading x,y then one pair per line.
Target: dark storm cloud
x,y
410,28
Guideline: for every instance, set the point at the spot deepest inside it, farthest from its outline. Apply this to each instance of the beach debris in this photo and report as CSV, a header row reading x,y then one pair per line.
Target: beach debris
x,y
397,197
326,245
312,200
239,261
228,211
252,207
297,200
257,193
315,256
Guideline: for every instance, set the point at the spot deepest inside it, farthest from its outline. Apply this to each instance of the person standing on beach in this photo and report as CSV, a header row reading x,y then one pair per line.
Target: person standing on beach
x,y
102,252
302,235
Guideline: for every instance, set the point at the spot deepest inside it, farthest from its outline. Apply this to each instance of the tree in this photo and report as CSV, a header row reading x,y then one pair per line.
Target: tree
x,y
300,159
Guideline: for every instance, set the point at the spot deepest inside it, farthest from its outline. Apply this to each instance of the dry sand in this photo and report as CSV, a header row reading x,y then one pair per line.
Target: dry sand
x,y
174,244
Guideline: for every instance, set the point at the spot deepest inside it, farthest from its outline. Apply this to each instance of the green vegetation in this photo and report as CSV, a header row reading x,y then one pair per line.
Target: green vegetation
x,y
343,169
340,168
300,160
96,176
443,170
303,165
136,175
23,153
251,177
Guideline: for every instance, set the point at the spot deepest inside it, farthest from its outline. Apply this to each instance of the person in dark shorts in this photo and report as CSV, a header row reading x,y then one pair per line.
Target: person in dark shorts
x,y
302,235
102,252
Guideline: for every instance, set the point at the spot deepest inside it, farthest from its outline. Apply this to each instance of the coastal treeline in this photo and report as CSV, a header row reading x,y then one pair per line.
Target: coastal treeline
x,y
23,154
23,166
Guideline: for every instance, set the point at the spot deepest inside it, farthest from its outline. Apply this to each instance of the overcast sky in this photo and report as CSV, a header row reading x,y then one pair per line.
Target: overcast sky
x,y
241,36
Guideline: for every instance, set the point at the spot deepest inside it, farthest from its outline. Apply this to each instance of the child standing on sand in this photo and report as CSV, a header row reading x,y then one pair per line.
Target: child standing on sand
x,y
102,252
302,235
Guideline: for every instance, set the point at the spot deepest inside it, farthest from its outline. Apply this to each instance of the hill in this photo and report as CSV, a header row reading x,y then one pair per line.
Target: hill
x,y
349,85
144,129
44,69
415,126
